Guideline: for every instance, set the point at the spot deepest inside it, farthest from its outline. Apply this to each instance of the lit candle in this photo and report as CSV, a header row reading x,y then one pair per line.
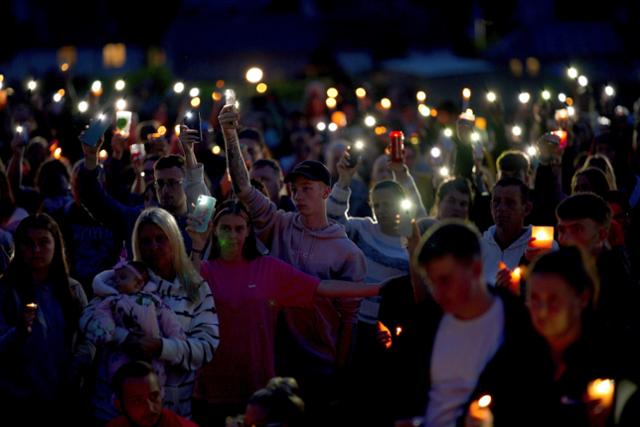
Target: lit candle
x,y
398,330
516,274
32,306
479,410
601,390
543,237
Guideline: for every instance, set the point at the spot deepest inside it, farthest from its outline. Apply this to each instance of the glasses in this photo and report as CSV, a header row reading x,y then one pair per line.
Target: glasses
x,y
170,183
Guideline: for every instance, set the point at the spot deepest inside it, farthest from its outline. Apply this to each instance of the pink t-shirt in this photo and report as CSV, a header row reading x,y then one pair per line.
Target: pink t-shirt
x,y
248,296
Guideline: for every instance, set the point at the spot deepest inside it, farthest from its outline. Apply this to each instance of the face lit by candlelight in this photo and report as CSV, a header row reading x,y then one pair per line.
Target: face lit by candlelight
x,y
507,207
555,308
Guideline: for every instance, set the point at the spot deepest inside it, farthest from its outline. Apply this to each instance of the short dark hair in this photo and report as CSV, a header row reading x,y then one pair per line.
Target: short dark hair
x,y
449,237
574,266
585,206
141,268
281,402
252,134
170,161
515,182
267,163
387,184
513,161
459,184
130,370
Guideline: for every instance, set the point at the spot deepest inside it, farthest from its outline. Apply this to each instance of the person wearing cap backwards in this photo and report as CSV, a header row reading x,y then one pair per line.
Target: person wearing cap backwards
x,y
318,339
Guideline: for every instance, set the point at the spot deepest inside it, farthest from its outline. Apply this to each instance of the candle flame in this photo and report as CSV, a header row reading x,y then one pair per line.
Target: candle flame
x,y
484,401
398,330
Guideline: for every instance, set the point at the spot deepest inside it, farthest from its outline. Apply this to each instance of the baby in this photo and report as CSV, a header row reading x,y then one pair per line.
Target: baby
x,y
129,305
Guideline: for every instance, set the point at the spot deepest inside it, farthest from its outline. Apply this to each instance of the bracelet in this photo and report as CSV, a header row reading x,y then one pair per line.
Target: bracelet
x,y
197,251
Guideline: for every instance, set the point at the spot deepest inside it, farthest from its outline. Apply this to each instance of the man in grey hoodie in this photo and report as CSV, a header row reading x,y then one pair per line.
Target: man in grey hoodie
x,y
508,239
311,242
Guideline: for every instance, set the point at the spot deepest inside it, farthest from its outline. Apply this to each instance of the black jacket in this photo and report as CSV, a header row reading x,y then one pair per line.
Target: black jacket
x,y
519,377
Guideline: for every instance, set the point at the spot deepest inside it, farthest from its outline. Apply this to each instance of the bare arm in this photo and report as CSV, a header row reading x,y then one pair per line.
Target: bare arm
x,y
14,170
343,289
228,119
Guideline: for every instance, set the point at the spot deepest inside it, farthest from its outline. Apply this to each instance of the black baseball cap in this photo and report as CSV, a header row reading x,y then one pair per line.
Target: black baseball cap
x,y
312,170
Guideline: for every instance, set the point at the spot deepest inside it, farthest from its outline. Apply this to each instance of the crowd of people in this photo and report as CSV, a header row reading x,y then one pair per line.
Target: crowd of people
x,y
462,273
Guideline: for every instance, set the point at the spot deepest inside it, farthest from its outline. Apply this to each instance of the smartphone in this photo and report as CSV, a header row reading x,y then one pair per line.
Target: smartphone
x,y
123,122
230,97
405,215
205,206
23,132
96,129
354,157
193,121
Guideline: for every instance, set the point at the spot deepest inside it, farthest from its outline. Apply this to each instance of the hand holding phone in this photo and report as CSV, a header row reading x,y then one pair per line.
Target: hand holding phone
x,y
98,126
193,121
405,216
205,206
230,97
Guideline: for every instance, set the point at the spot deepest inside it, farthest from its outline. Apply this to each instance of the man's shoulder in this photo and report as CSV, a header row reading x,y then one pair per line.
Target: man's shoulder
x,y
171,419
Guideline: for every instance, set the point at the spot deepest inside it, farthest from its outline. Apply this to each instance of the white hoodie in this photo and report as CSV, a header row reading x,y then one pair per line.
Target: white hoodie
x,y
492,254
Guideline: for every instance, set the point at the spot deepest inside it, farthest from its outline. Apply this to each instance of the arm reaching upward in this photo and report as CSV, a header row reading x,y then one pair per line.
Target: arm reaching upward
x,y
228,119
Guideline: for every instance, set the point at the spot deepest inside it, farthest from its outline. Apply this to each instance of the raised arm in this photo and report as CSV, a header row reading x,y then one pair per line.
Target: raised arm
x,y
14,169
402,176
228,119
194,184
338,203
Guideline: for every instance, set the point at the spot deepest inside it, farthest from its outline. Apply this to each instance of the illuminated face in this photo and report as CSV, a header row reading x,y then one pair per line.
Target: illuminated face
x,y
232,231
171,195
309,196
38,249
554,306
386,208
507,207
454,205
451,282
586,233
127,282
142,400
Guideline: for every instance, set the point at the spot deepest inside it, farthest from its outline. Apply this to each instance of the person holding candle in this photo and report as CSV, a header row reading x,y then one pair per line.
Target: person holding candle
x,y
476,340
43,354
562,297
508,241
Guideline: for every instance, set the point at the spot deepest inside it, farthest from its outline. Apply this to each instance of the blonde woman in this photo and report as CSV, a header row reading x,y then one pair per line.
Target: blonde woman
x,y
158,243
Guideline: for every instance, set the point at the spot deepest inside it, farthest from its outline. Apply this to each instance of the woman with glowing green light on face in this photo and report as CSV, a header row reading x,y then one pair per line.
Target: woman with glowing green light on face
x,y
250,289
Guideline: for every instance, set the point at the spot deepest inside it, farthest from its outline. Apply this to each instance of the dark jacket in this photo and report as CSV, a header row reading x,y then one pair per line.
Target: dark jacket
x,y
519,377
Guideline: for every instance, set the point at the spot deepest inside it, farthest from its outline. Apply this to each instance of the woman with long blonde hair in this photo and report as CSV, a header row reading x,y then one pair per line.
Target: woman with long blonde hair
x,y
158,243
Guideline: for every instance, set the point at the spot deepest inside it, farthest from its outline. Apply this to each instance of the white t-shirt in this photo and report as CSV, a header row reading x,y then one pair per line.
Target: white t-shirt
x,y
461,350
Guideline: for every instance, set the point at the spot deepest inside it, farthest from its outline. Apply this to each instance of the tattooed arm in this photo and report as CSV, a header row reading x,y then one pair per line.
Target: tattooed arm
x,y
228,119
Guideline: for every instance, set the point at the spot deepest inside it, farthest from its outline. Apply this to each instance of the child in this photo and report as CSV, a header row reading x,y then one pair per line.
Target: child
x,y
129,306
139,399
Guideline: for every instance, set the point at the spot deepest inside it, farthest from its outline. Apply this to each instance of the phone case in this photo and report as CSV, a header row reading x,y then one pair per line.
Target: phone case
x,y
194,123
205,207
96,129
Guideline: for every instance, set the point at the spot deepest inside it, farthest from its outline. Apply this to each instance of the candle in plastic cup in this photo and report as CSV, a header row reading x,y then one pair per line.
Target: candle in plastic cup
x,y
543,237
602,390
123,122
479,409
516,274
